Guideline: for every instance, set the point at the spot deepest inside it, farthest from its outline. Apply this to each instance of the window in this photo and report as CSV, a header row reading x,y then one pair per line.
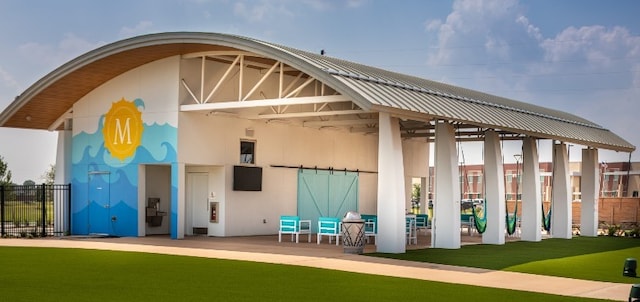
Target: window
x,y
247,152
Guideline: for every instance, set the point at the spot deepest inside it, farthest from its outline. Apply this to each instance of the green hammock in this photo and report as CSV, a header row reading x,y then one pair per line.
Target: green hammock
x,y
512,219
480,222
546,219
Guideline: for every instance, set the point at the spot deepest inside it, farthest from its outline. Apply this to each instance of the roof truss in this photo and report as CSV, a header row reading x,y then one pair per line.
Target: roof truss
x,y
299,96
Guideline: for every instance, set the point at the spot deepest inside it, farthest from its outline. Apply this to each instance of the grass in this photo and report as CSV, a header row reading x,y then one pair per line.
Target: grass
x,y
589,258
22,213
49,274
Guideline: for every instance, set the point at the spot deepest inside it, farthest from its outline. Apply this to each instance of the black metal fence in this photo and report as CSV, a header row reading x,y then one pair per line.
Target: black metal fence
x,y
34,210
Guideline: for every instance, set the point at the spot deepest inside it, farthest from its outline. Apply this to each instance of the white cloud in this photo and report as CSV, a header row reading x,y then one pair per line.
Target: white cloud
x,y
7,80
321,5
141,28
492,46
433,25
532,31
271,10
356,3
47,55
473,25
264,10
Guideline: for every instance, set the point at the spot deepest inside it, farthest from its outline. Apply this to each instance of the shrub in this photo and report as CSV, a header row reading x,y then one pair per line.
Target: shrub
x,y
613,230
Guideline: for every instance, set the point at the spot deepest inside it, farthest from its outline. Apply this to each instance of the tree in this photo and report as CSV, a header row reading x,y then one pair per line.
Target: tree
x,y
5,173
49,176
29,182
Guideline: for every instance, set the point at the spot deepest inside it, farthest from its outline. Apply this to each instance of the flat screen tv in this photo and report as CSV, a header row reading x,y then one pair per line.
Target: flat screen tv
x,y
247,178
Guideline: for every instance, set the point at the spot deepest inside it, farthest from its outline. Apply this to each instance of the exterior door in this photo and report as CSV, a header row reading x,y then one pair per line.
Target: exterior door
x,y
326,194
197,195
99,203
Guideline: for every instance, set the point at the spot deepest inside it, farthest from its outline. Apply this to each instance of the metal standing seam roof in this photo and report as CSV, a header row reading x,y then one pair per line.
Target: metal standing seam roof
x,y
445,101
373,89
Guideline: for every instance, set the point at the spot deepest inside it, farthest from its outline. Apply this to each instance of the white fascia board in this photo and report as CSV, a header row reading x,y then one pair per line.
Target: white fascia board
x,y
264,103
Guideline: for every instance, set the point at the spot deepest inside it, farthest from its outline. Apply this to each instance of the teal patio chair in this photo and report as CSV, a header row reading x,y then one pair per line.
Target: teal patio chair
x,y
295,226
410,229
467,221
370,226
330,227
422,222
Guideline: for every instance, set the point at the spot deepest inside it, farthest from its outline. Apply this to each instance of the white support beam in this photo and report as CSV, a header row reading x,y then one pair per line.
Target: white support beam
x,y
531,195
216,53
241,78
445,232
264,77
321,107
391,195
264,103
281,80
305,114
186,86
590,186
202,66
302,86
340,122
561,194
222,79
495,206
293,82
63,176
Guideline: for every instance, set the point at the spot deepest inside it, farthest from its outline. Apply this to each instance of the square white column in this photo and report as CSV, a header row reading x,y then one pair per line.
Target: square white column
x,y
531,220
561,194
391,187
445,232
589,187
494,190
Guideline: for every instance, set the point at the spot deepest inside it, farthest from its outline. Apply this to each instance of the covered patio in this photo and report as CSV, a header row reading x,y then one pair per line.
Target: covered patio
x,y
235,88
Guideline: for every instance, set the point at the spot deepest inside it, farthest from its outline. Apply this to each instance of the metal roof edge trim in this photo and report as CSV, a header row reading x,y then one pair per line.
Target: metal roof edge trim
x,y
270,50
451,96
427,117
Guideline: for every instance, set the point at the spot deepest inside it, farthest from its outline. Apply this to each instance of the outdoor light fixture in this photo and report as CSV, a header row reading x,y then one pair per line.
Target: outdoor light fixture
x,y
518,157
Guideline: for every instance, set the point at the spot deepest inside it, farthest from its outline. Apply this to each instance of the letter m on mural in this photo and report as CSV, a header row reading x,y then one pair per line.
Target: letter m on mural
x,y
122,129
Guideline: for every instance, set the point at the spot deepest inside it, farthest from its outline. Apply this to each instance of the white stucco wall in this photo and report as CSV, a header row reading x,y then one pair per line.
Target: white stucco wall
x,y
215,141
211,143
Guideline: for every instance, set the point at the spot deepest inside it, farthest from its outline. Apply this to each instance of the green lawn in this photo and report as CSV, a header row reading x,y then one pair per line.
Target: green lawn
x,y
591,258
22,213
49,274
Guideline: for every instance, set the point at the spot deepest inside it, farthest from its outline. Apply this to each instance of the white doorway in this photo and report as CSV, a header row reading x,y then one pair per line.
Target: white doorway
x,y
155,203
197,205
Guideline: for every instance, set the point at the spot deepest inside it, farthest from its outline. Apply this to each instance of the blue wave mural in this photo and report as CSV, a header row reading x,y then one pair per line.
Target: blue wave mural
x,y
105,189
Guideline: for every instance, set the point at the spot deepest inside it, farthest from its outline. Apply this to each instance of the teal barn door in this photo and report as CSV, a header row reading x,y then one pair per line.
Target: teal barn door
x,y
326,194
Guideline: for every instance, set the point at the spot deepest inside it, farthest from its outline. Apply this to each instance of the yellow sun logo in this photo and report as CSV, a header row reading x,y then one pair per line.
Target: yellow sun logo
x,y
122,129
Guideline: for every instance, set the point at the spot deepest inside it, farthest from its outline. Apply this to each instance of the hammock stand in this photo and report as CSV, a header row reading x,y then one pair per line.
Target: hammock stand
x,y
512,219
480,221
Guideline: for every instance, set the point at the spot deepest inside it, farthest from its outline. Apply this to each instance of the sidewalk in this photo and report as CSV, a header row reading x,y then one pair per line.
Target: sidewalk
x,y
268,249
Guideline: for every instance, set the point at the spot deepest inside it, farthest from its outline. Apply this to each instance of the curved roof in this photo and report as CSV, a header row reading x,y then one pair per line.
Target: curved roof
x,y
372,89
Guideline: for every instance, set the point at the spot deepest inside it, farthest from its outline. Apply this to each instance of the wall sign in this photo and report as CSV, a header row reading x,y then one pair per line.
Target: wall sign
x,y
122,129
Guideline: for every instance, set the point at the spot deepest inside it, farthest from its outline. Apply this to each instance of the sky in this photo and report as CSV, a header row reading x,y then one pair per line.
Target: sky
x,y
582,57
